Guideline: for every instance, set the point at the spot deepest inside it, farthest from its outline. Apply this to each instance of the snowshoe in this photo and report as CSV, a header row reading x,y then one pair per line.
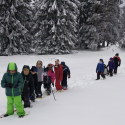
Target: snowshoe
x,y
21,116
6,115
64,88
97,79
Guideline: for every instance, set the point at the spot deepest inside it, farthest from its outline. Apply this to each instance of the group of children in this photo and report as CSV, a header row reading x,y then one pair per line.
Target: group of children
x,y
103,69
27,85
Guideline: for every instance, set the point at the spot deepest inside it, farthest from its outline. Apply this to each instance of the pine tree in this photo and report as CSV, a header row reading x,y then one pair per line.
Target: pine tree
x,y
13,35
88,20
56,22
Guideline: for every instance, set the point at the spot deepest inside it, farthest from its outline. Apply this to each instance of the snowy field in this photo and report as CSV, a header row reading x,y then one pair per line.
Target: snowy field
x,y
87,102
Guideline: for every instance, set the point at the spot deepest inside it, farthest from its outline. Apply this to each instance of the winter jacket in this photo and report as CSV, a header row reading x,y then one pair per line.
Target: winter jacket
x,y
111,64
40,74
14,79
66,70
52,74
35,77
58,72
100,67
28,84
117,61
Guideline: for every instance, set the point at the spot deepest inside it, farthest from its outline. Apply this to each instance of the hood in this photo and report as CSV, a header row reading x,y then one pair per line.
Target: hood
x,y
12,66
111,59
34,69
63,63
39,61
25,67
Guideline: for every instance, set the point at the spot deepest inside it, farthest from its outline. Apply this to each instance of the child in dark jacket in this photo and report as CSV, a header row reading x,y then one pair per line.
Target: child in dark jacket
x,y
35,77
100,69
66,72
49,78
111,66
28,86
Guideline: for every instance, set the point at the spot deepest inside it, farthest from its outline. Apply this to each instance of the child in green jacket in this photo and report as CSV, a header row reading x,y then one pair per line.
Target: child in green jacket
x,y
12,81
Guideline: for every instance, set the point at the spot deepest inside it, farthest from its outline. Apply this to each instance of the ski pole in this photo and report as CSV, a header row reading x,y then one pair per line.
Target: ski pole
x,y
53,93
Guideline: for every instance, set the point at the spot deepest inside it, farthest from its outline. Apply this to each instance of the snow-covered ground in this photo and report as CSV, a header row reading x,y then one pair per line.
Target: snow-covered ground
x,y
87,102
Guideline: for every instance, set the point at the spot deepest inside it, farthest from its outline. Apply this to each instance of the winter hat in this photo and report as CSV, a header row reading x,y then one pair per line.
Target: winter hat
x,y
63,63
39,62
12,66
26,67
34,69
50,65
117,54
57,61
111,59
101,60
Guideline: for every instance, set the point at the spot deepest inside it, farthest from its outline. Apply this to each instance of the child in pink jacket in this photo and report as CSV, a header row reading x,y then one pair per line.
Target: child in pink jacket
x,y
49,78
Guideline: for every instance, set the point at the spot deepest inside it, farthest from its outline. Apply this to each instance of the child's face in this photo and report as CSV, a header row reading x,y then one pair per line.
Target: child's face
x,y
56,63
12,71
26,71
38,65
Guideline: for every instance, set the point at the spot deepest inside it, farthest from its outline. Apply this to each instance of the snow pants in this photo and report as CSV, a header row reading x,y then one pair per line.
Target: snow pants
x,y
64,81
39,91
116,66
25,98
111,72
58,85
47,86
18,104
98,75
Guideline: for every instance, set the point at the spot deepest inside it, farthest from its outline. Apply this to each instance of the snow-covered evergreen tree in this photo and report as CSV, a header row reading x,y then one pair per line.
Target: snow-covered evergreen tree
x,y
13,34
56,22
88,21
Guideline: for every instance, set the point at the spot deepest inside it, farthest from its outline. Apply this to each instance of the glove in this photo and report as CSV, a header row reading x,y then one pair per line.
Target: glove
x,y
45,69
119,65
69,76
17,85
96,71
53,84
8,85
101,73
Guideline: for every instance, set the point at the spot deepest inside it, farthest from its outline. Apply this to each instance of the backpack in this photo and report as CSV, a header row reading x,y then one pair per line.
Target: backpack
x,y
116,60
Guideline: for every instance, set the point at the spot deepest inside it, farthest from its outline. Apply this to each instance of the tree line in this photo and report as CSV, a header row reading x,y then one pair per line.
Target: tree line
x,y
58,26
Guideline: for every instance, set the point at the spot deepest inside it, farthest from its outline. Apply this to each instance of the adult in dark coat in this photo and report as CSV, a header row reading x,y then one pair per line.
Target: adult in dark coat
x,y
117,61
28,86
66,73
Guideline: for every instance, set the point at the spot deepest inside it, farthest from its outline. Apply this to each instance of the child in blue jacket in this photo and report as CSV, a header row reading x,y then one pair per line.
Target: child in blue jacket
x,y
100,69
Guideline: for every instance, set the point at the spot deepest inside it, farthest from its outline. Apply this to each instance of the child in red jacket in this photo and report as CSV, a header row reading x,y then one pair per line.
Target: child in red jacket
x,y
58,75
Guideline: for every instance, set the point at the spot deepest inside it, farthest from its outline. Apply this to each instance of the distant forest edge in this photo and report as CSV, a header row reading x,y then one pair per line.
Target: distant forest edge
x,y
58,26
